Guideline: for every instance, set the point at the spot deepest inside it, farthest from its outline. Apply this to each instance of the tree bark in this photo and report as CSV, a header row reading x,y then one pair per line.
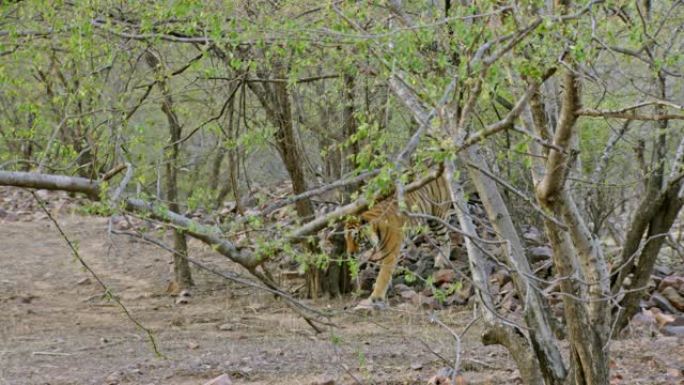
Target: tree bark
x,y
496,331
576,256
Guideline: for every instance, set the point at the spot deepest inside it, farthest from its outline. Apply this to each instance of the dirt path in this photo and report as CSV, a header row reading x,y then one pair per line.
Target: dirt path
x,y
55,328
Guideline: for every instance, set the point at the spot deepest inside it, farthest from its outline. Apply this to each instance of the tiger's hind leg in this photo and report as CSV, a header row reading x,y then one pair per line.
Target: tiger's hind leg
x,y
441,234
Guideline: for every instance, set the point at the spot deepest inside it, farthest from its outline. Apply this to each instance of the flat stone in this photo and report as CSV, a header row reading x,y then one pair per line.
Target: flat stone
x,y
670,330
675,281
662,303
673,296
539,253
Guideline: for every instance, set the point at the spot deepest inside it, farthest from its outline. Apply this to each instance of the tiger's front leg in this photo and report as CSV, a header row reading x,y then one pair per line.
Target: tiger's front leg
x,y
387,254
378,298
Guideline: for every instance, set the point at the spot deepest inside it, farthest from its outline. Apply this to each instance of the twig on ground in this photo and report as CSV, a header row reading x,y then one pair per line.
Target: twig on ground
x,y
107,290
50,354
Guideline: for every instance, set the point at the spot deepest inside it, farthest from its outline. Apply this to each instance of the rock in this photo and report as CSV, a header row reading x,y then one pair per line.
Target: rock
x,y
443,377
416,366
324,381
456,299
401,287
662,271
8,216
223,379
43,194
670,330
673,296
113,378
539,253
644,318
424,302
662,303
661,318
226,327
678,321
84,281
192,345
675,372
444,276
408,294
533,235
672,281
120,222
509,302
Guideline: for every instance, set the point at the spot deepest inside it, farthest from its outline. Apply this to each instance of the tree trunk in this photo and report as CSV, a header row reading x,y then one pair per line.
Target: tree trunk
x,y
336,278
275,98
181,267
576,256
496,331
653,218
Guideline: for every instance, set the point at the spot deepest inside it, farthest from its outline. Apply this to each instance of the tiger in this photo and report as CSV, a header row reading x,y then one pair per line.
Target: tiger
x,y
388,226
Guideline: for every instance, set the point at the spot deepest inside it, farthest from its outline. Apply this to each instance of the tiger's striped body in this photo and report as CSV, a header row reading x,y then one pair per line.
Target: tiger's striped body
x,y
389,224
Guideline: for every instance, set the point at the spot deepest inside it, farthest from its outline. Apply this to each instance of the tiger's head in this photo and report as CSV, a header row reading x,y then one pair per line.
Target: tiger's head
x,y
352,228
358,235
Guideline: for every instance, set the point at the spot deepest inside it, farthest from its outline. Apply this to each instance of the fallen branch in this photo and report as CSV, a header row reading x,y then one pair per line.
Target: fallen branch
x,y
51,182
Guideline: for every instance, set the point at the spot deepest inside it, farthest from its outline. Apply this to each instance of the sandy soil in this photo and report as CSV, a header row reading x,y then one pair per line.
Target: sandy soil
x,y
56,328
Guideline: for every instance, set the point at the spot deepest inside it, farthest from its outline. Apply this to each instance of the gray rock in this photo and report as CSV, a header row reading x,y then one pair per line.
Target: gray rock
x,y
662,303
